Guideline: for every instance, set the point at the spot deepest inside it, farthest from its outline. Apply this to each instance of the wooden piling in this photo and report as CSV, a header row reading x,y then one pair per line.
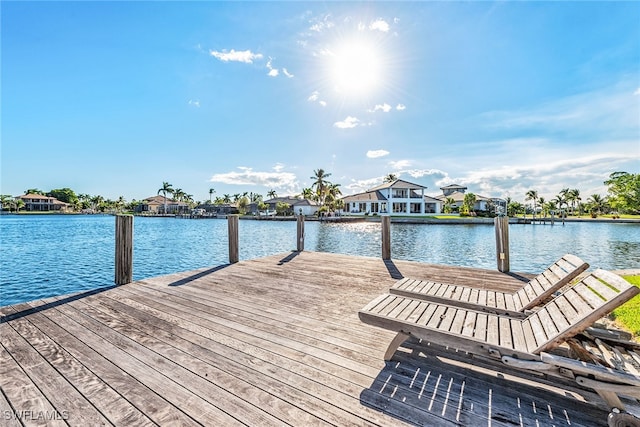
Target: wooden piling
x,y
300,234
386,237
502,242
124,249
234,248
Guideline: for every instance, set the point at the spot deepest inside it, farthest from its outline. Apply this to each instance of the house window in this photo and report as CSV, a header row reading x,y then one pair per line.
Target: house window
x,y
383,207
399,193
415,208
374,207
362,207
399,208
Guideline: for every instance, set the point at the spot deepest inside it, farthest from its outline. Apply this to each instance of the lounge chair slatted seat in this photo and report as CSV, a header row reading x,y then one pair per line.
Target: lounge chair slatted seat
x,y
564,316
535,292
519,342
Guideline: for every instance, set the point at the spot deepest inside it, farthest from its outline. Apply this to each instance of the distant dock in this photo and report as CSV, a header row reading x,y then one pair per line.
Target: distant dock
x,y
269,341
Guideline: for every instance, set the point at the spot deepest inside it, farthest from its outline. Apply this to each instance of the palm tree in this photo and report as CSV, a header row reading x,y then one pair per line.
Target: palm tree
x,y
18,204
166,188
543,206
178,194
448,204
334,190
307,194
5,201
533,195
597,202
320,184
272,194
211,191
390,177
574,196
120,203
226,198
34,191
514,208
468,202
561,199
96,203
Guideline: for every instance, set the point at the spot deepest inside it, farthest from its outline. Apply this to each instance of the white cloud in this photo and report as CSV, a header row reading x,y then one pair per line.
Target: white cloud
x,y
348,123
361,185
247,176
374,154
586,173
321,23
401,107
273,72
419,173
637,92
379,25
381,107
287,73
315,97
194,103
245,56
400,164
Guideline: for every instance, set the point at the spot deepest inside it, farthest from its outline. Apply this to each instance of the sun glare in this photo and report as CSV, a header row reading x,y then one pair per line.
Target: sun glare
x,y
355,68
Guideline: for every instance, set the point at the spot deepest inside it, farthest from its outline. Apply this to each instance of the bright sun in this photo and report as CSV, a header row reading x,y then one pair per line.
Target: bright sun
x,y
355,68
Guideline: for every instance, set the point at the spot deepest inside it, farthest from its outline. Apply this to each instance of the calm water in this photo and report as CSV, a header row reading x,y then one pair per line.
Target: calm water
x,y
41,256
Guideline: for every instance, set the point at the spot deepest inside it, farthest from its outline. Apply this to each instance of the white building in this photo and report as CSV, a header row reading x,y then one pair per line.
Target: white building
x,y
399,198
456,193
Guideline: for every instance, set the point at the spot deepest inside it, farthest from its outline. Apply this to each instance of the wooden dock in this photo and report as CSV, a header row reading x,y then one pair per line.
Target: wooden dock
x,y
271,341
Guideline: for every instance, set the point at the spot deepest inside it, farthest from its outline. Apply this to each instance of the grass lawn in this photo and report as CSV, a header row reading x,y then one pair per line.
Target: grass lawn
x,y
628,315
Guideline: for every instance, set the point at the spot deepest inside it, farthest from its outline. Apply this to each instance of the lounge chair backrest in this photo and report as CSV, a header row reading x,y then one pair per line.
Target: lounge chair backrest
x,y
541,288
570,313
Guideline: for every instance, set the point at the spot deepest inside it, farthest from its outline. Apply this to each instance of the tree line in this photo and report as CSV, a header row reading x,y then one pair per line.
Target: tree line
x,y
326,193
623,196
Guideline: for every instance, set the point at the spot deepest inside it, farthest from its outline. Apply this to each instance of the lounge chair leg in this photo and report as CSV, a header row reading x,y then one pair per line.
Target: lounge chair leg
x,y
618,418
609,392
395,343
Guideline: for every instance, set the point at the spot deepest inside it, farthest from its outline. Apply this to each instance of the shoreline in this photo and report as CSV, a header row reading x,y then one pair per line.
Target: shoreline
x,y
350,218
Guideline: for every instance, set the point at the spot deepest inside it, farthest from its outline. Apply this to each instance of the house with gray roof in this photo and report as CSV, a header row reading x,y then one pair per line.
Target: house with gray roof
x,y
457,193
297,205
40,203
399,198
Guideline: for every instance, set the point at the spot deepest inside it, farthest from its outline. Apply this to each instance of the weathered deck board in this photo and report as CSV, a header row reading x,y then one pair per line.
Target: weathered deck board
x,y
271,341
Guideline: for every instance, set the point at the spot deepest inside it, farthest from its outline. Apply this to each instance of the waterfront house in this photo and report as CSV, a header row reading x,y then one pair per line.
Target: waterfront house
x,y
482,203
297,206
40,203
156,205
398,197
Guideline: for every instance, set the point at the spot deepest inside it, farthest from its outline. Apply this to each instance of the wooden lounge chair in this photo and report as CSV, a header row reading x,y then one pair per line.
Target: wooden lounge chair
x,y
533,293
521,343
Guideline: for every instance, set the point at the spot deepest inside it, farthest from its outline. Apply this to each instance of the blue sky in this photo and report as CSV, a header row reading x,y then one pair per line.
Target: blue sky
x,y
113,98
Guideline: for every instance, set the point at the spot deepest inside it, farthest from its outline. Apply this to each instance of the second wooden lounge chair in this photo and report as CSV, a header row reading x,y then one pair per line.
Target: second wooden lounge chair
x,y
533,293
520,343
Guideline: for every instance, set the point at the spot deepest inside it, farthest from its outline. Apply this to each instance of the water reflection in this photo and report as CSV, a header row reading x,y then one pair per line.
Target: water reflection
x,y
51,255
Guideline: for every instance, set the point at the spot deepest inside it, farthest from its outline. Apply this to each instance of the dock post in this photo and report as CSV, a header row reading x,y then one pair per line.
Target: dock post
x,y
502,242
234,249
300,233
386,237
124,249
